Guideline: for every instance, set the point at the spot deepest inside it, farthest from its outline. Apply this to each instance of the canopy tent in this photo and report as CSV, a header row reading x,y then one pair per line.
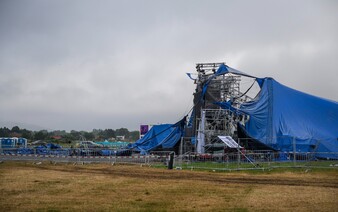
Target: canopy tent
x,y
283,119
160,136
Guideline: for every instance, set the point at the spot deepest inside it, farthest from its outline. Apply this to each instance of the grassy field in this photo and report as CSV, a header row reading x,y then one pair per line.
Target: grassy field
x,y
261,165
103,187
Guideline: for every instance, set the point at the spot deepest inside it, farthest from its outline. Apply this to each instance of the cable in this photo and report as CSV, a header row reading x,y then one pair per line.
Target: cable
x,y
245,91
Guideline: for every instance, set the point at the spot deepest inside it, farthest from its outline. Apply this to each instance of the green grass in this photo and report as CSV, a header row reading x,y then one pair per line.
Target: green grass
x,y
313,166
103,187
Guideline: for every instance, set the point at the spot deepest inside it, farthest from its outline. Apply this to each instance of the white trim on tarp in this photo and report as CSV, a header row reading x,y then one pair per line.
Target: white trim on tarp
x,y
229,141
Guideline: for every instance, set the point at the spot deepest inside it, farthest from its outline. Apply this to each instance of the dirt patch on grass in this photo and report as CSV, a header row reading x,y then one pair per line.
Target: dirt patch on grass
x,y
64,187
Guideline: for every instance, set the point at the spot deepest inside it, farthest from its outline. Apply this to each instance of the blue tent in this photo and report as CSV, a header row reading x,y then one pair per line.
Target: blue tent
x,y
280,116
160,136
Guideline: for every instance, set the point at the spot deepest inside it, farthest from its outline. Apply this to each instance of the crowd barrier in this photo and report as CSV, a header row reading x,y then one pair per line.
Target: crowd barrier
x,y
76,155
222,161
257,160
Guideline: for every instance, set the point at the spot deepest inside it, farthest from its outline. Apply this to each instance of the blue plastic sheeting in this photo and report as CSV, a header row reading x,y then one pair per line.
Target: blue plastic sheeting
x,y
53,146
25,151
224,69
159,136
280,116
189,75
51,149
193,140
121,152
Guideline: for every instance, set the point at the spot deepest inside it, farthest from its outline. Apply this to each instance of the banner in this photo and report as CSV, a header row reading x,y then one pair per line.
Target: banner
x,y
144,129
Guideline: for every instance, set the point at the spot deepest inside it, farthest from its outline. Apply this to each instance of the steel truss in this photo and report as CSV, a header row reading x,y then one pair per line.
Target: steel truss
x,y
211,120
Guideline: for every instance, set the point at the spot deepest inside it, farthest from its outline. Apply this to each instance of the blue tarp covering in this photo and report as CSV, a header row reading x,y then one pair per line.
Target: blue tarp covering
x,y
160,136
280,114
51,149
224,69
109,152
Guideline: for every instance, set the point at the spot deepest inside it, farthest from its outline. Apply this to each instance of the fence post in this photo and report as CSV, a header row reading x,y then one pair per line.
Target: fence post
x,y
238,155
180,153
145,159
79,156
171,160
294,150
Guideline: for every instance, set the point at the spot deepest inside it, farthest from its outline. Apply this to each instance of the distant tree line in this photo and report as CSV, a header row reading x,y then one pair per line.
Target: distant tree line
x,y
63,136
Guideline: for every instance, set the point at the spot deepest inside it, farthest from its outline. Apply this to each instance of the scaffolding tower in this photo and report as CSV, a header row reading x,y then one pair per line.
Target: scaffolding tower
x,y
210,120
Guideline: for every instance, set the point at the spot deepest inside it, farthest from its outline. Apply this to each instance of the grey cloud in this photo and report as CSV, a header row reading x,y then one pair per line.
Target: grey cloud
x,y
108,64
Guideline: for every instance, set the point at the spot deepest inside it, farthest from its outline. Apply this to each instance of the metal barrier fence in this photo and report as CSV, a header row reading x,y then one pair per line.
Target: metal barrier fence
x,y
283,143
81,156
256,160
294,152
239,160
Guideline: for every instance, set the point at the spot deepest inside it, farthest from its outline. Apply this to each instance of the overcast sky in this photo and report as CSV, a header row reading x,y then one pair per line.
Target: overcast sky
x,y
109,64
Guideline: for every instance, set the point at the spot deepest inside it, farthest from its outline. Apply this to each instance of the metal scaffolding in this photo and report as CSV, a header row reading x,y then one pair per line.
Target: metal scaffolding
x,y
210,120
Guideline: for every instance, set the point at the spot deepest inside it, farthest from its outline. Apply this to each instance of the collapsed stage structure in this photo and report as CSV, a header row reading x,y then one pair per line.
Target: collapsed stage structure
x,y
274,117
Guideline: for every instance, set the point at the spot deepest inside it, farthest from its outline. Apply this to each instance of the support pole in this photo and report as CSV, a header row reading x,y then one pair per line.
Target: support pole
x,y
171,160
238,154
181,152
294,151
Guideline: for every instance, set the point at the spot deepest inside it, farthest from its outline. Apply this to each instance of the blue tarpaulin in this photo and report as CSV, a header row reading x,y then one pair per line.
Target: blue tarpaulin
x,y
281,115
224,69
282,118
160,136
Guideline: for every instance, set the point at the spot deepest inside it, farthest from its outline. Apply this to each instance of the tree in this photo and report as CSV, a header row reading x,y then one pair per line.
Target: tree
x,y
68,138
109,133
134,135
122,132
88,135
26,134
4,132
41,135
75,134
16,129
